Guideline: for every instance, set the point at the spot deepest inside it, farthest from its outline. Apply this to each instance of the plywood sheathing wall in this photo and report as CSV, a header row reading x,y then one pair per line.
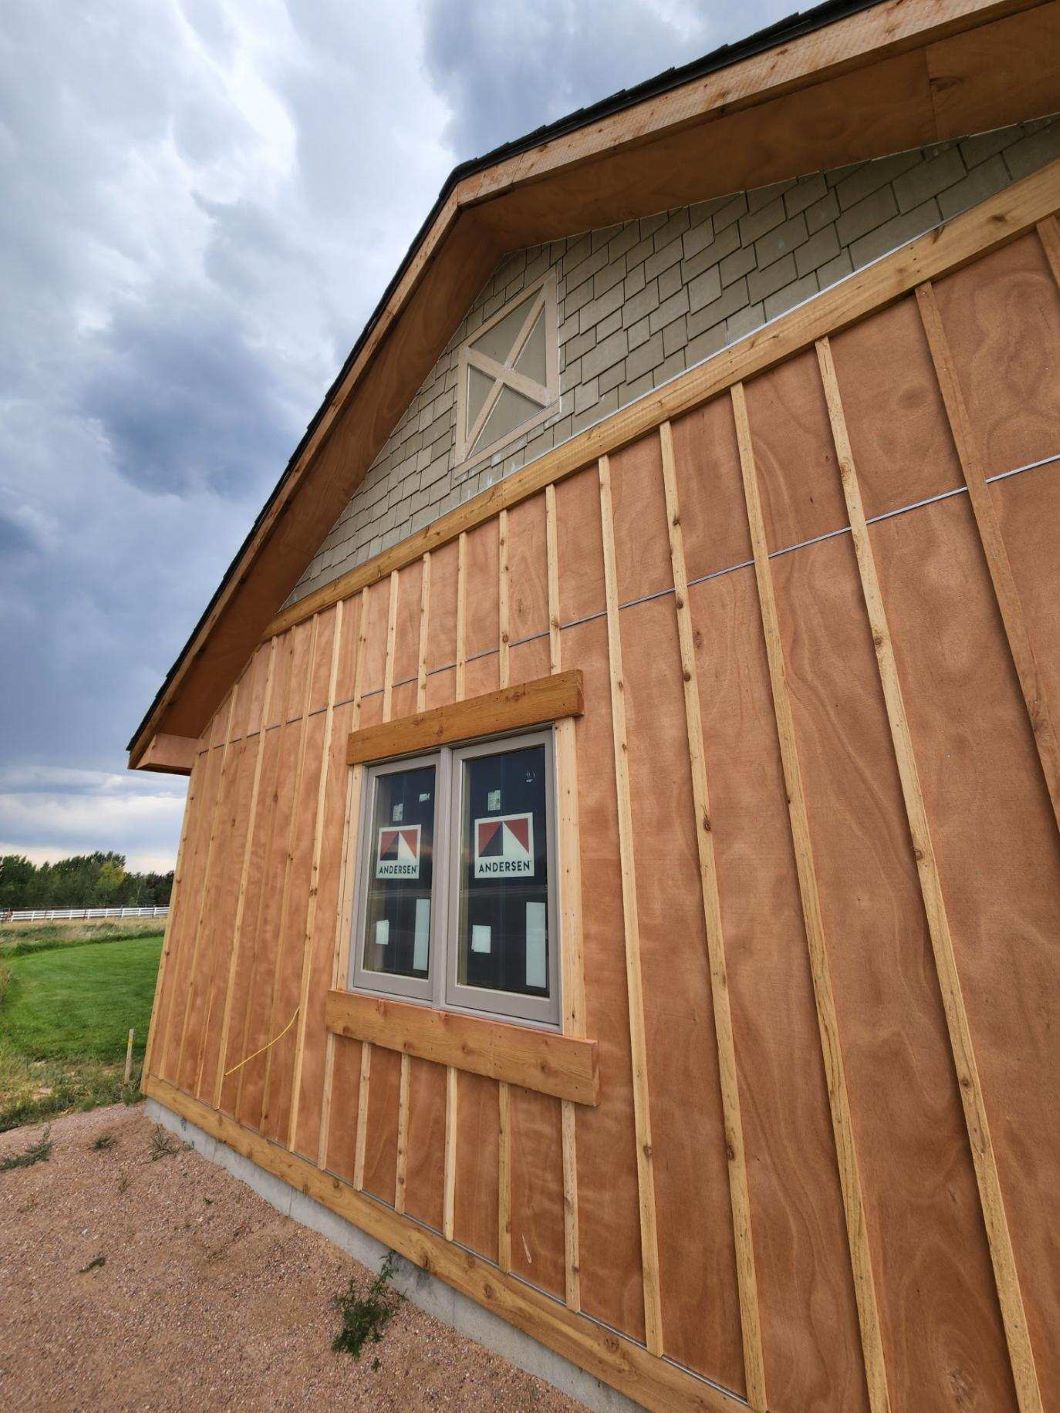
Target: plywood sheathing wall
x,y
870,646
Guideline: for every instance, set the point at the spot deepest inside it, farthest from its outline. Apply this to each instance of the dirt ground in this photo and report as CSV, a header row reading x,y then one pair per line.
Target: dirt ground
x,y
208,1297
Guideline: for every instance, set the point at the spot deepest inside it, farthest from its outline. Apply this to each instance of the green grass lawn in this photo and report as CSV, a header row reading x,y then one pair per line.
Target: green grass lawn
x,y
64,1021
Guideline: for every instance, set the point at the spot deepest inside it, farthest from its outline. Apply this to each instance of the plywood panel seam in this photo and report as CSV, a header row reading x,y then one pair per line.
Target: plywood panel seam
x,y
217,809
969,1085
571,942
343,920
747,1280
248,844
828,1025
993,543
631,936
314,882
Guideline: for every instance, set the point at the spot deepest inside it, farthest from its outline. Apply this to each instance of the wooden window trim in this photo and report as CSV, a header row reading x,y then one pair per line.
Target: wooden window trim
x,y
541,1060
534,703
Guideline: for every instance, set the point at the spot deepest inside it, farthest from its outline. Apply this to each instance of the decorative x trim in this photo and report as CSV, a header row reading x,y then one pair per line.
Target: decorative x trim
x,y
505,374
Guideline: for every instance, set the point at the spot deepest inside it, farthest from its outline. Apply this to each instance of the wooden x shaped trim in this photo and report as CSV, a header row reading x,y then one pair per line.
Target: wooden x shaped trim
x,y
505,374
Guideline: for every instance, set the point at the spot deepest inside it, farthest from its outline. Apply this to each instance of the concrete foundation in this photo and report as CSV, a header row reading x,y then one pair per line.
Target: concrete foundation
x,y
420,1287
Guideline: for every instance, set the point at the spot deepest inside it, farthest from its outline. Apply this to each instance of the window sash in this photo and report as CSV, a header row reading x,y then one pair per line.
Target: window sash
x,y
543,1009
387,983
440,988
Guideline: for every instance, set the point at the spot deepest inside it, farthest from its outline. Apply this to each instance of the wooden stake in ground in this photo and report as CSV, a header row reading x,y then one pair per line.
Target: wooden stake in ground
x,y
128,1057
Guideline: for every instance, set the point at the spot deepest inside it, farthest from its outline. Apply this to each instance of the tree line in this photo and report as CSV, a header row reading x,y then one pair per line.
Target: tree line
x,y
98,880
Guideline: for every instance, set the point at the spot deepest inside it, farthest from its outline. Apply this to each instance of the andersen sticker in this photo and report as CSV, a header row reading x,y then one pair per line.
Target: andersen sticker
x,y
504,846
399,852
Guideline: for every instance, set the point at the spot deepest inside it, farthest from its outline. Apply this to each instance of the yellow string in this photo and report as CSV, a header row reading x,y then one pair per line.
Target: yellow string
x,y
272,1042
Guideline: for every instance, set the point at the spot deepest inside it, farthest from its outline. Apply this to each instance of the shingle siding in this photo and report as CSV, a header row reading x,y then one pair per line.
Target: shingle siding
x,y
641,302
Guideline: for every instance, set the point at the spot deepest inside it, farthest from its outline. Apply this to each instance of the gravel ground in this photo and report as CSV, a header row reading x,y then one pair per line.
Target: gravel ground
x,y
207,1296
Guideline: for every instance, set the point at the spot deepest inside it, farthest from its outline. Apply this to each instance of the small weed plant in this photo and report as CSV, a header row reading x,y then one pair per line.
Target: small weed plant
x,y
365,1317
163,1144
38,1152
103,1142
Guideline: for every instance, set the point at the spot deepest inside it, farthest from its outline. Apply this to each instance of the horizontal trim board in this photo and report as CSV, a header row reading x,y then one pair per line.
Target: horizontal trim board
x,y
528,704
542,1060
620,1362
993,223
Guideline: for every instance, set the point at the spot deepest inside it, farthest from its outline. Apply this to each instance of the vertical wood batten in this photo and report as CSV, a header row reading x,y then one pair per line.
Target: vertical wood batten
x,y
452,1087
214,824
1049,235
983,1157
994,549
248,1008
638,1050
750,1319
404,1099
504,1106
839,1101
343,920
570,893
314,880
182,922
237,930
174,898
276,1022
364,1085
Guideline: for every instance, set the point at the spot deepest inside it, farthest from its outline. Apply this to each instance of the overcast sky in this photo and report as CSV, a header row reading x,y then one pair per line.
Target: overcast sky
x,y
200,204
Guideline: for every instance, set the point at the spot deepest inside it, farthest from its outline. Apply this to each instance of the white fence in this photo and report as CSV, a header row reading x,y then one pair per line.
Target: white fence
x,y
50,914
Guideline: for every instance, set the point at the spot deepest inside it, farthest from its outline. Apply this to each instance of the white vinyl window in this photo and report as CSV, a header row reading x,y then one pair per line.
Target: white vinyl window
x,y
456,895
508,373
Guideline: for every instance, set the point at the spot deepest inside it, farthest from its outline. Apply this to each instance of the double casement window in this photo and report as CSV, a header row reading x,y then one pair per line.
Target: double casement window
x,y
456,893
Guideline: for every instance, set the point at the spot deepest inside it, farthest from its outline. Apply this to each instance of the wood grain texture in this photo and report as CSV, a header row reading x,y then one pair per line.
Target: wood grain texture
x,y
811,1341
252,885
216,828
649,1236
244,873
222,907
572,959
983,1156
750,1317
174,900
342,1157
927,1238
170,755
323,781
300,826
846,1153
421,1132
380,1078
998,857
538,1233
691,1168
1049,235
610,1278
526,704
541,1060
1039,708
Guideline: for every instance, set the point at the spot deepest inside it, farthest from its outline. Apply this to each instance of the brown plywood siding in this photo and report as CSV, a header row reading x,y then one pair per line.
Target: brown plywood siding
x,y
885,855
